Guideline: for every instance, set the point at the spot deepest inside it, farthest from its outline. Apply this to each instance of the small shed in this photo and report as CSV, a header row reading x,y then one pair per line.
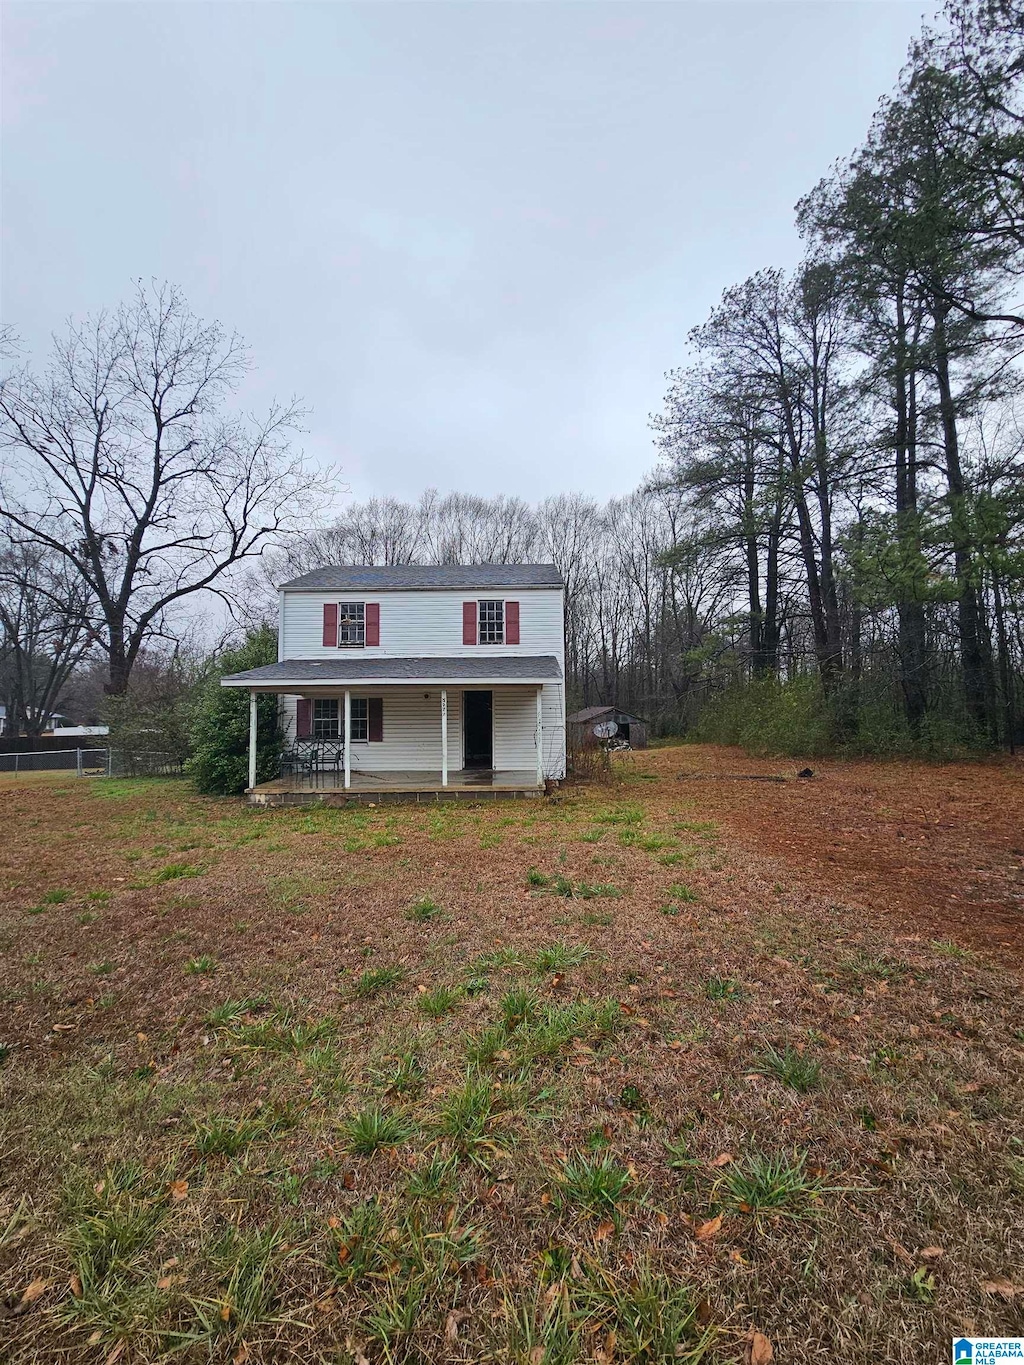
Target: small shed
x,y
582,725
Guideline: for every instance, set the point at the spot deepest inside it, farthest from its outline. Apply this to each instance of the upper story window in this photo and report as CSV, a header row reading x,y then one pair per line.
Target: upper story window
x,y
351,623
492,623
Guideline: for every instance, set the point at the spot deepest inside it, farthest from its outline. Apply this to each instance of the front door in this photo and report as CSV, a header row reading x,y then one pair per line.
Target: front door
x,y
477,729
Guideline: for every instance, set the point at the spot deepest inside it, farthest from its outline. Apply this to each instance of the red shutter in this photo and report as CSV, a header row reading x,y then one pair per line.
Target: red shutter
x,y
330,625
303,718
375,719
469,623
511,623
372,619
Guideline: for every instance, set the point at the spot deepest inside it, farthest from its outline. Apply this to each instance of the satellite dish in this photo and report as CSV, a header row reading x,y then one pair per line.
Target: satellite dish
x,y
606,729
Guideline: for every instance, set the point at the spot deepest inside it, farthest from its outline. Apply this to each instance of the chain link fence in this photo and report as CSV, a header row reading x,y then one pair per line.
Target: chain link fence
x,y
92,762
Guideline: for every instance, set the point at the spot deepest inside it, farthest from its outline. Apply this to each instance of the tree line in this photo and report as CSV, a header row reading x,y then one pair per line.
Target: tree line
x,y
829,550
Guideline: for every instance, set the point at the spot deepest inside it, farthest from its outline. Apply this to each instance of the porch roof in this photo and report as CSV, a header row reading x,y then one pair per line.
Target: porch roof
x,y
353,671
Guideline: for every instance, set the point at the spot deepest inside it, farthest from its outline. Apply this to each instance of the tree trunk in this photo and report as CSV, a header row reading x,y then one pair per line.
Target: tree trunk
x,y
975,659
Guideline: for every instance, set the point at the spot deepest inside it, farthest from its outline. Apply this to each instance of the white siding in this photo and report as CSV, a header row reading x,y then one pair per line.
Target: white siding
x,y
412,728
428,623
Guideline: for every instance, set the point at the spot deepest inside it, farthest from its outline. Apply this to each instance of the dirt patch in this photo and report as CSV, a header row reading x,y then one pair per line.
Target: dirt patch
x,y
936,849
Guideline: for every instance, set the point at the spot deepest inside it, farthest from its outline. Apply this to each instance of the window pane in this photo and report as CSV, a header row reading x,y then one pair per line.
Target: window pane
x,y
492,623
360,718
351,623
325,719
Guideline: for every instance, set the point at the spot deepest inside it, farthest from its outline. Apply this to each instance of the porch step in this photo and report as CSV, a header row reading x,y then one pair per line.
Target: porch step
x,y
389,796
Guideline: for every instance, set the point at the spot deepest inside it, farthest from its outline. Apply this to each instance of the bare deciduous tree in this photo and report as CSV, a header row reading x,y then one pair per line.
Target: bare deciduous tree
x,y
122,460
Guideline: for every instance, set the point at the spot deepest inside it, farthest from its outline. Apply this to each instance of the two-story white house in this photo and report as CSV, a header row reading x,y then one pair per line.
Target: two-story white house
x,y
416,680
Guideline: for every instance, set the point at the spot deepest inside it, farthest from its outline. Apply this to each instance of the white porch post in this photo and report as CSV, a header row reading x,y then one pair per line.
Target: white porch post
x,y
444,737
252,738
540,736
348,738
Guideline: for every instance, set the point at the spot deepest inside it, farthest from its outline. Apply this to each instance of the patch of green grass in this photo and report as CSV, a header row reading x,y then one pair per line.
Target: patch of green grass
x,y
517,1006
435,1179
681,892
467,1118
792,1067
101,897
652,1318
594,890
947,947
682,857
595,1183
621,815
101,968
423,910
86,917
231,1011
109,1228
6,1051
357,1248
248,1265
558,957
722,988
374,1127
537,879
763,1185
377,980
440,1001
222,1135
55,897
204,965
173,871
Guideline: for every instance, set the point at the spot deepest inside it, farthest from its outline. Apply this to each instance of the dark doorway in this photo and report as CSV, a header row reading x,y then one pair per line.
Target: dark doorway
x,y
477,729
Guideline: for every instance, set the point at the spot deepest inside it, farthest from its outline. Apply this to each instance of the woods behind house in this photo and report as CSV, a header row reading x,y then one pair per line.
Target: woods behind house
x,y
828,554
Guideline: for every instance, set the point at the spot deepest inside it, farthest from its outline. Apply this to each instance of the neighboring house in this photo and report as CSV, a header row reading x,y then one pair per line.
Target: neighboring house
x,y
61,731
422,677
592,724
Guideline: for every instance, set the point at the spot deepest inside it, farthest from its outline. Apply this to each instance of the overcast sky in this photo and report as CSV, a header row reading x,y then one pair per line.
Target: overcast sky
x,y
471,236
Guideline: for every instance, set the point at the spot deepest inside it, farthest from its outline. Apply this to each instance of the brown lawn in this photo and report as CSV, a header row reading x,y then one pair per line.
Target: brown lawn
x,y
664,1071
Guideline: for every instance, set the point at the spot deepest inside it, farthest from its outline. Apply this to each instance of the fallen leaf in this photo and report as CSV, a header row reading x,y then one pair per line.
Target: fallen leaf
x,y
932,1253
178,1189
115,1354
75,1285
736,1256
604,1230
902,1254
758,1349
333,1222
33,1291
1000,1287
722,1159
451,1327
710,1229
241,1355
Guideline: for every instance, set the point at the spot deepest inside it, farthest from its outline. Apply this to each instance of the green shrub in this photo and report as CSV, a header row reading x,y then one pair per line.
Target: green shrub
x,y
219,765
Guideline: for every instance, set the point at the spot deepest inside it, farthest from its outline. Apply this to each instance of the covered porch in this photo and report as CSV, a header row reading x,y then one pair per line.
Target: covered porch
x,y
403,729
369,788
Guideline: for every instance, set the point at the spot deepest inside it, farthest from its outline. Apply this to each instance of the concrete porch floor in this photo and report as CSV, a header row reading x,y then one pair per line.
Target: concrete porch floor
x,y
469,784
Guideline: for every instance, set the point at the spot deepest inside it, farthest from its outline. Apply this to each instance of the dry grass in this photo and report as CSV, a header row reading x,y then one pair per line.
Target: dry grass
x,y
542,1123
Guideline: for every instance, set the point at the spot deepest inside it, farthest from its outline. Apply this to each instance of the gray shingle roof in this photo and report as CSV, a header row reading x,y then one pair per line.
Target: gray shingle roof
x,y
353,669
370,578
